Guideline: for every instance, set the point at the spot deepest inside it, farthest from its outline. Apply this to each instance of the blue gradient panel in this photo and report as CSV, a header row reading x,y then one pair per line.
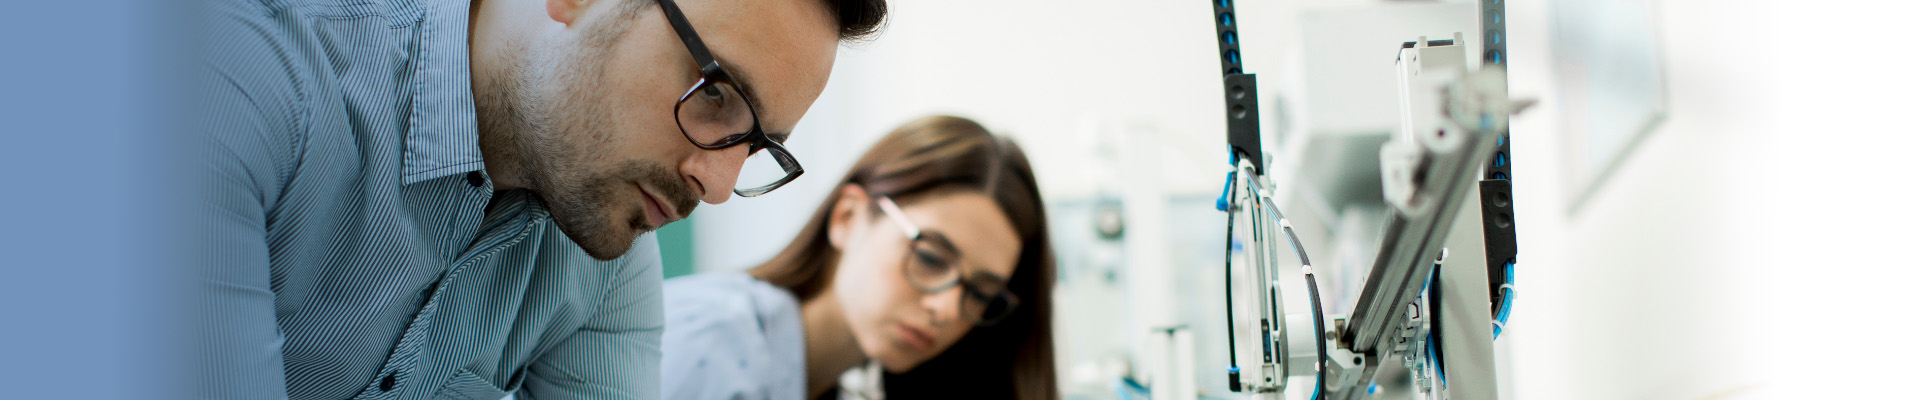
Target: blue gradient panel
x,y
88,283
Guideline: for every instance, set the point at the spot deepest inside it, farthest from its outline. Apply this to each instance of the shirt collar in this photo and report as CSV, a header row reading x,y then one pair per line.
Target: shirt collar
x,y
442,138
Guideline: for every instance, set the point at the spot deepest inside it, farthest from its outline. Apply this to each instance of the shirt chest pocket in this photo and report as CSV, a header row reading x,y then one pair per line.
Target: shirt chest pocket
x,y
466,385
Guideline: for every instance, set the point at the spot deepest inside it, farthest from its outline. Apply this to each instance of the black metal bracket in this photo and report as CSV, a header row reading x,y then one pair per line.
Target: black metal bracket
x,y
1496,190
1243,105
1496,221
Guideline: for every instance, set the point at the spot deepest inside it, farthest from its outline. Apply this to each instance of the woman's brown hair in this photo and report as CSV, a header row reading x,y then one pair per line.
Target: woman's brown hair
x,y
1012,359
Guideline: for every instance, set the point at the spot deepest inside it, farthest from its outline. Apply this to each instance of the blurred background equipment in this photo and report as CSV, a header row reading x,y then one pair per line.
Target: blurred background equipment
x,y
1451,120
1118,103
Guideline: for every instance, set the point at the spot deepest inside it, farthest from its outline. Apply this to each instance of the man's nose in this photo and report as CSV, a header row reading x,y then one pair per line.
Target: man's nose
x,y
714,172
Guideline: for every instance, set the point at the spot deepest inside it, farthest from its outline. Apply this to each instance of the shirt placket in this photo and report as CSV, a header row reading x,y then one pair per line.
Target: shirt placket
x,y
501,229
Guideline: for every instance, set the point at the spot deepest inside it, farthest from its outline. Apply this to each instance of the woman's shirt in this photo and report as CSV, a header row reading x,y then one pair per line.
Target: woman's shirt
x,y
730,336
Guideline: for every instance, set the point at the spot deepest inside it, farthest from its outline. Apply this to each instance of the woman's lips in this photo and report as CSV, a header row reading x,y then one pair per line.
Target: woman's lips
x,y
918,338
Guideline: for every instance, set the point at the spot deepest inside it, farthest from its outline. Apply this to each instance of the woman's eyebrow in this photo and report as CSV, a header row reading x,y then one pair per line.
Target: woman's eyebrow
x,y
941,240
988,278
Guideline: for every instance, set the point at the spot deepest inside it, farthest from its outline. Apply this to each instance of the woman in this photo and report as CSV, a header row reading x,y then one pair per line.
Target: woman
x,y
930,260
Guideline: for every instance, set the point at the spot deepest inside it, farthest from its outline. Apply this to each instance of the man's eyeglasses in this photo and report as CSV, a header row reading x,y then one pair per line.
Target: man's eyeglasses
x,y
932,266
716,114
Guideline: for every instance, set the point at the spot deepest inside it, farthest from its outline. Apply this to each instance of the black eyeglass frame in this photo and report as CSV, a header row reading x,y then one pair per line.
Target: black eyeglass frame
x,y
914,235
711,73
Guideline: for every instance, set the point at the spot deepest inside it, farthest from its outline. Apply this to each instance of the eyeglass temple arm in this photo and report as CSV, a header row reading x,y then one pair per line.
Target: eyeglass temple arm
x,y
898,216
694,45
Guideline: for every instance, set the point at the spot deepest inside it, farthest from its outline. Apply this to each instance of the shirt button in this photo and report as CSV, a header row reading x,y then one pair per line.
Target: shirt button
x,y
386,384
474,178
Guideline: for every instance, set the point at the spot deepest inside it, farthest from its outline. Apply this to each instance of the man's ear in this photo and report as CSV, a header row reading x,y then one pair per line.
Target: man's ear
x,y
567,11
848,211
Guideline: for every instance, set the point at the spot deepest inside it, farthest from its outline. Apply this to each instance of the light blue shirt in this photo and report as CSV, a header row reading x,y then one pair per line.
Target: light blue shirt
x,y
733,337
358,248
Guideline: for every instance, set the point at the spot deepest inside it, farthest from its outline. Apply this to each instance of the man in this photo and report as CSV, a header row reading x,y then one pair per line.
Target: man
x,y
439,199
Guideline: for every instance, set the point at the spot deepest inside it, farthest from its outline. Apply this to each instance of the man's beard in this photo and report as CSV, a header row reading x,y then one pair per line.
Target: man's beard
x,y
555,117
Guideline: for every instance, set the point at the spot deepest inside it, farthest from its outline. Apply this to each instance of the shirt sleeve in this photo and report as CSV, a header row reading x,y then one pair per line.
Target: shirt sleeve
x,y
245,127
616,355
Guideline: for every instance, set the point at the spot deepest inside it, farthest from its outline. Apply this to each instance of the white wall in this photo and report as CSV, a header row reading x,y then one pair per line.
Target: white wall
x,y
1844,164
1751,248
1652,290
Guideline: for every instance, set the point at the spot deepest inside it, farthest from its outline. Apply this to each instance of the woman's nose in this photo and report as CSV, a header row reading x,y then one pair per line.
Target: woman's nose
x,y
945,306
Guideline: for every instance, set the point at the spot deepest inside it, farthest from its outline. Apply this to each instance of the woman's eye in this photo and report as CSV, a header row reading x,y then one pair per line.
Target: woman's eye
x,y
985,289
932,260
978,294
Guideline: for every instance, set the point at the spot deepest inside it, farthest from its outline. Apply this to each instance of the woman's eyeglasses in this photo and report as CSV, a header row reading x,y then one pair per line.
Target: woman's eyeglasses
x,y
932,266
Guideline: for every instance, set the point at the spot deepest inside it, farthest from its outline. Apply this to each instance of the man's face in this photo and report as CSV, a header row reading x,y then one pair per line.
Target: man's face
x,y
594,104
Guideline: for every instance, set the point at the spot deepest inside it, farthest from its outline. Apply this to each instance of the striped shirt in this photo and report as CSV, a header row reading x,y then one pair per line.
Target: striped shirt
x,y
359,249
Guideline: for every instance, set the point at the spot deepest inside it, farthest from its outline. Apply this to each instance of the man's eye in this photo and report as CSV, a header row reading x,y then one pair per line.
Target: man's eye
x,y
714,93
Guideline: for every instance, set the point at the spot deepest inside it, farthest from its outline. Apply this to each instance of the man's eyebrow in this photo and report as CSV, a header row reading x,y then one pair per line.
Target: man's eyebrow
x,y
745,82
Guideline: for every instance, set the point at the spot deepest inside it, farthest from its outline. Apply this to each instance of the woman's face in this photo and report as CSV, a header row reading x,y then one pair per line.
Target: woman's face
x,y
895,322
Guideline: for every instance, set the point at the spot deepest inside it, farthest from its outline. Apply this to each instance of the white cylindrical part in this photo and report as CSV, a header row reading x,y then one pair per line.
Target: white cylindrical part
x,y
1301,351
1183,374
1171,375
1149,260
1149,278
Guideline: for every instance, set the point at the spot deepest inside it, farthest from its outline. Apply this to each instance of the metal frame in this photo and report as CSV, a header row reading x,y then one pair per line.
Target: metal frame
x,y
1431,176
1496,189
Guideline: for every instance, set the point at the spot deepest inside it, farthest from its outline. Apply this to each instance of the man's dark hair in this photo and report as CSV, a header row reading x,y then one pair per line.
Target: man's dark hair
x,y
859,19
